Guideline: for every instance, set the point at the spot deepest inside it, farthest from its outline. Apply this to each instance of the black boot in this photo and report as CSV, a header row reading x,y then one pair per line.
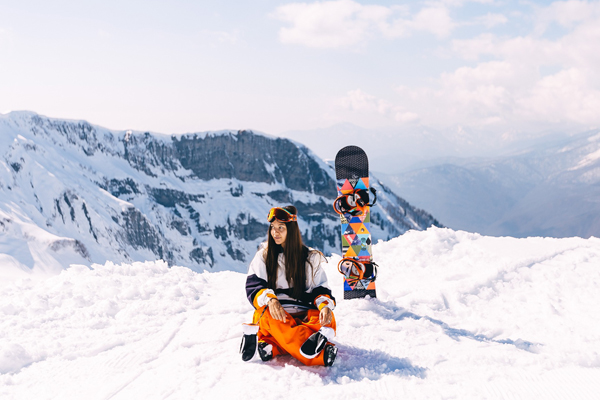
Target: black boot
x,y
265,351
248,347
329,355
313,345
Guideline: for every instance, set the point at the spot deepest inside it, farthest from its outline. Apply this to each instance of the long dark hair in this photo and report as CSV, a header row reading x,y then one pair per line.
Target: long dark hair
x,y
295,254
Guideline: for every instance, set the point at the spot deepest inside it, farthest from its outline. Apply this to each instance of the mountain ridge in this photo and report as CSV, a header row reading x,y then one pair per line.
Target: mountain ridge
x,y
197,200
546,190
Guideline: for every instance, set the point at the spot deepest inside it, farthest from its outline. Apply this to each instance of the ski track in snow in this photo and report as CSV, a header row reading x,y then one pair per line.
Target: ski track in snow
x,y
458,315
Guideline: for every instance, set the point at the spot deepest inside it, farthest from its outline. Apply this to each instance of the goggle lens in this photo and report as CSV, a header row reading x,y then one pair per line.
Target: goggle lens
x,y
281,214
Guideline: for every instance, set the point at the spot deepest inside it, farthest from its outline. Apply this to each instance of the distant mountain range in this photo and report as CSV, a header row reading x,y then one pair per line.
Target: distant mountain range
x,y
72,192
395,150
549,190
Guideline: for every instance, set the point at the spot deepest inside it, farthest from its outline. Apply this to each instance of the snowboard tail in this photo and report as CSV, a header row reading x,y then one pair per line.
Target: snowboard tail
x,y
352,174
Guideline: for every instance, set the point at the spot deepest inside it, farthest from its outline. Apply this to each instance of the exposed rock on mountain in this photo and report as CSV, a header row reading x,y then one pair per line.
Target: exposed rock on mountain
x,y
89,194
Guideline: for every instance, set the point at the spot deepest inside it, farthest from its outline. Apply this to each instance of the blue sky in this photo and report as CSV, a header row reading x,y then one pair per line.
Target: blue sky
x,y
498,67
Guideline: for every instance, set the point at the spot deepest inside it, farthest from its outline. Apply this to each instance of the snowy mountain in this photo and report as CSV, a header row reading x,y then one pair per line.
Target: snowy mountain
x,y
549,190
458,315
72,192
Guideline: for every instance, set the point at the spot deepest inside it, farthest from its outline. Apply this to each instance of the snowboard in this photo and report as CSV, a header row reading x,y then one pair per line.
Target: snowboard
x,y
352,173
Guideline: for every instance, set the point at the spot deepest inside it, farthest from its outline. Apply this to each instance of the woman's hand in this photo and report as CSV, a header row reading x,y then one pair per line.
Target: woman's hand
x,y
325,316
276,310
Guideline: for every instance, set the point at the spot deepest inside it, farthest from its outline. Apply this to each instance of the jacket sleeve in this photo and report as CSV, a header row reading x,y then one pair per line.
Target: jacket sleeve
x,y
256,282
318,291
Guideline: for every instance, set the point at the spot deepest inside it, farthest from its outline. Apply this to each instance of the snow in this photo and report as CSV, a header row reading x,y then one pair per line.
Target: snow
x,y
587,160
458,315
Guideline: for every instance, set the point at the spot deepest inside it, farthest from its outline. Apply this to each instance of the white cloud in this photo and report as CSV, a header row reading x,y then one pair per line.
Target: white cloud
x,y
435,20
514,83
357,100
505,94
344,23
566,14
513,89
474,96
361,102
217,38
491,20
222,37
328,24
472,49
566,95
459,3
406,116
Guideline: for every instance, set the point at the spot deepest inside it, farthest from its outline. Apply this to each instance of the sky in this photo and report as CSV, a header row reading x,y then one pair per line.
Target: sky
x,y
499,68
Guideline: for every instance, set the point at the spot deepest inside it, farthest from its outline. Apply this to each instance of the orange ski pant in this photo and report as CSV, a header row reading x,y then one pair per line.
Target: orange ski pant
x,y
287,337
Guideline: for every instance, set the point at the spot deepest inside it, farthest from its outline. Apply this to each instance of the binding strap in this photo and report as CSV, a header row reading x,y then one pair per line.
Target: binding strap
x,y
354,203
354,269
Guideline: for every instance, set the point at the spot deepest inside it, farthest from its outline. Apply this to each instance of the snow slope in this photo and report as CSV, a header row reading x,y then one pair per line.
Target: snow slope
x,y
458,315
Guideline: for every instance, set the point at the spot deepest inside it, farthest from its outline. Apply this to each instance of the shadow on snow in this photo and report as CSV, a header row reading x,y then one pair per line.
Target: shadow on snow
x,y
391,311
355,364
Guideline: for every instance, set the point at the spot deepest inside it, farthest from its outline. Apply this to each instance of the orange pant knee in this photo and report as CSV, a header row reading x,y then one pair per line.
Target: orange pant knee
x,y
287,337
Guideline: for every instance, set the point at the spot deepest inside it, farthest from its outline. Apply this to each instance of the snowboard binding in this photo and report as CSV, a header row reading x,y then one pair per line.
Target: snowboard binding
x,y
354,203
354,269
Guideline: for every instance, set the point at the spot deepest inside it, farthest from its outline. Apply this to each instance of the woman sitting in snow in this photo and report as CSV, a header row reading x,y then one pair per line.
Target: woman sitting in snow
x,y
288,288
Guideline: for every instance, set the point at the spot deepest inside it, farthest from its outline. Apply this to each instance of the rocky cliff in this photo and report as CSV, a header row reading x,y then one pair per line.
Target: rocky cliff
x,y
83,193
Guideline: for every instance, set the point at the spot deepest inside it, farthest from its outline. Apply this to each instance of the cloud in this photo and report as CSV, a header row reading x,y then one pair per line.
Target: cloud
x,y
223,36
214,38
566,95
359,101
566,14
460,3
345,23
521,83
329,24
508,94
435,20
509,84
491,20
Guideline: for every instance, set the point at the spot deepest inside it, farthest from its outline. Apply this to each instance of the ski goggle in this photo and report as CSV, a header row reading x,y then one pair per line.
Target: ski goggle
x,y
281,214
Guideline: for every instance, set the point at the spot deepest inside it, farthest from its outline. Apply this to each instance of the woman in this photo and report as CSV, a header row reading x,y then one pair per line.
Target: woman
x,y
288,288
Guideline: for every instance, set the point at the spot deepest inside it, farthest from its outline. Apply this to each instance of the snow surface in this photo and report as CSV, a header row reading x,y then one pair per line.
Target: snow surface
x,y
458,315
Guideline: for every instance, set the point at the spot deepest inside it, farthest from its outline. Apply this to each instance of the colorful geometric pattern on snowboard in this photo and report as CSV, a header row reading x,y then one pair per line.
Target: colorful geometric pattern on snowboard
x,y
352,173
